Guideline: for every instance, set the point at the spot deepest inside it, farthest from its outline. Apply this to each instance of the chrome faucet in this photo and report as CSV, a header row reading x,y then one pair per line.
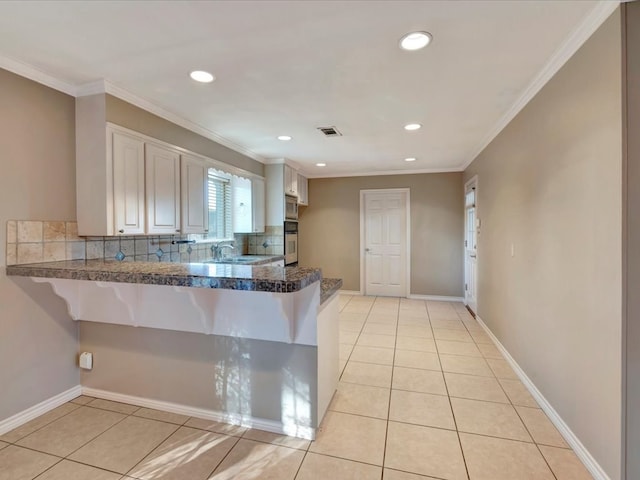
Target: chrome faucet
x,y
217,250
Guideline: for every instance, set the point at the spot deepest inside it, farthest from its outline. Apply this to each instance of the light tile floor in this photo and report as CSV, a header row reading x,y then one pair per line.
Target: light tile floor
x,y
423,394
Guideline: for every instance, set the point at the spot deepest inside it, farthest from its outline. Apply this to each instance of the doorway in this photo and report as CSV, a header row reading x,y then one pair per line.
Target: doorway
x,y
471,244
384,242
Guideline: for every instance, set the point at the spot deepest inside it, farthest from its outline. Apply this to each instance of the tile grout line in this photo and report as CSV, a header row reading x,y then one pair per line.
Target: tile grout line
x,y
40,428
446,386
393,362
101,433
225,456
159,443
347,460
356,341
512,405
43,472
307,449
74,451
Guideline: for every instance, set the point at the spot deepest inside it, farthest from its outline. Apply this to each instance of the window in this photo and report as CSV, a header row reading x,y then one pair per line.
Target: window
x,y
220,221
470,208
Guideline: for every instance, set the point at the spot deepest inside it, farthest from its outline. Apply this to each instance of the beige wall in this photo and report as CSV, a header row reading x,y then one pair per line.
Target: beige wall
x,y
129,116
38,340
330,229
227,374
632,253
550,184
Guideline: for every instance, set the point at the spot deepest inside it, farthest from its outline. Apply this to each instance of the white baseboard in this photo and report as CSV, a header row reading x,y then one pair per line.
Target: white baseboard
x,y
307,433
41,408
436,298
583,454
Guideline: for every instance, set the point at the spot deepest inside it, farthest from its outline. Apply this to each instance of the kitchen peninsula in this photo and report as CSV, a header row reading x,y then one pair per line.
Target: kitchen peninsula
x,y
248,345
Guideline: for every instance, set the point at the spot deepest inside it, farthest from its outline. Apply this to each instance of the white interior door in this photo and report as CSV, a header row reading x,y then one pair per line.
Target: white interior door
x,y
471,245
385,242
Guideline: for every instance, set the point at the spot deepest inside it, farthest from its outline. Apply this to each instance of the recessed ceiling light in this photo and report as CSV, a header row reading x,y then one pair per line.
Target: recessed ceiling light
x,y
415,40
412,126
284,138
410,159
321,164
202,76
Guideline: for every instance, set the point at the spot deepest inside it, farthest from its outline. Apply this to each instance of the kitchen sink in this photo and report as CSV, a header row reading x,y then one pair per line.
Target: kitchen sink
x,y
247,259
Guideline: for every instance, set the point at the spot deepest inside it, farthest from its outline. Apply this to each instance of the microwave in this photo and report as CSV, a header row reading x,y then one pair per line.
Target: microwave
x,y
290,207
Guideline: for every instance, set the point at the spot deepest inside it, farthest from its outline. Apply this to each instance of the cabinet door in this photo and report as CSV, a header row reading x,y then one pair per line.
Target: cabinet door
x,y
194,188
241,205
290,181
258,205
128,184
162,168
303,190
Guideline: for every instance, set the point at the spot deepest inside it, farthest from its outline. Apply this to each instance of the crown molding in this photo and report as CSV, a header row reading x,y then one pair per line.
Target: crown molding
x,y
569,47
602,10
104,86
387,172
275,161
92,88
284,161
151,107
37,75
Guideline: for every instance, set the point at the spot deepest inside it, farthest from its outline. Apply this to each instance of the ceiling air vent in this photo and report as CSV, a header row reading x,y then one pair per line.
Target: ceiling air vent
x,y
330,131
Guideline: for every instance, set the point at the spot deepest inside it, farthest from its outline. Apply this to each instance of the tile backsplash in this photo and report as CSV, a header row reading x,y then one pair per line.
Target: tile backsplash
x,y
271,242
48,241
35,241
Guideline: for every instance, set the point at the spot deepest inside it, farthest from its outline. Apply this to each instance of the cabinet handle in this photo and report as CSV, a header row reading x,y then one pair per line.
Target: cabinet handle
x,y
178,230
121,231
206,230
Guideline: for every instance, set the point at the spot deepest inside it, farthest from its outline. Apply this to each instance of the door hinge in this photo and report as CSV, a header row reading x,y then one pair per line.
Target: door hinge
x,y
465,243
466,287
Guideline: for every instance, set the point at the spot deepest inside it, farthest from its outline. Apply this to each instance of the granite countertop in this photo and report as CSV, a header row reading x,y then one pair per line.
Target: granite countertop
x,y
328,287
212,275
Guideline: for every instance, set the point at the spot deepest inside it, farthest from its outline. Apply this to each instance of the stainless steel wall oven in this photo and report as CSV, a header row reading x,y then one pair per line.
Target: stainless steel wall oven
x,y
290,243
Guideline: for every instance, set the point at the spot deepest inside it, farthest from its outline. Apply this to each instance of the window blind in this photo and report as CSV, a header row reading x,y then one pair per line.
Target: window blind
x,y
220,220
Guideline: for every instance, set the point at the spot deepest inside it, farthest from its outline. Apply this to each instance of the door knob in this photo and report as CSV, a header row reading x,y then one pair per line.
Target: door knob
x,y
367,249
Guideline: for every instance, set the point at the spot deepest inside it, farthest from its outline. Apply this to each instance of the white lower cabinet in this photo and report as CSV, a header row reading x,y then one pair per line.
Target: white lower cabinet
x,y
162,186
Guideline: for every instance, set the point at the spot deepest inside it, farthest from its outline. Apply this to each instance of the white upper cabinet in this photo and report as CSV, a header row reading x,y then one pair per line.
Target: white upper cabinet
x,y
303,190
248,205
128,183
290,181
282,180
241,205
162,185
193,188
258,202
274,175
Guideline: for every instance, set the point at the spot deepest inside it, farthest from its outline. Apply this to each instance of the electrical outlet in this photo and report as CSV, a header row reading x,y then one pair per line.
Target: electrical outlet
x,y
86,360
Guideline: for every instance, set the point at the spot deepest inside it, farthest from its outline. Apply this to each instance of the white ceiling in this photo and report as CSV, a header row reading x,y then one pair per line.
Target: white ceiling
x,y
287,67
